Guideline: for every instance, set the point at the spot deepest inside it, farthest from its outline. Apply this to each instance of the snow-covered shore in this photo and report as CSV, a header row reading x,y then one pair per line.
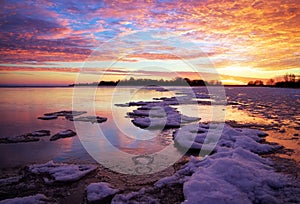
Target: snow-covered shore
x,y
234,173
238,169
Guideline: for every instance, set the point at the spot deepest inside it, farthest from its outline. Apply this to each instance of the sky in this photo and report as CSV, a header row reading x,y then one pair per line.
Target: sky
x,y
60,42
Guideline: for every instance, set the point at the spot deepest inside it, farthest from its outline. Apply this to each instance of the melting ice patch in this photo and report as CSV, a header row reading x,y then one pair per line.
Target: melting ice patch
x,y
38,198
61,172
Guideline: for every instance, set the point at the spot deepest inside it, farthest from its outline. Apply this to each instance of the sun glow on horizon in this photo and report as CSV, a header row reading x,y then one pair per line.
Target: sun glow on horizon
x,y
247,40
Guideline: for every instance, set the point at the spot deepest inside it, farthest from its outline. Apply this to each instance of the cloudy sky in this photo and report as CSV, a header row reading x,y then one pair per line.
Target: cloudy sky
x,y
50,42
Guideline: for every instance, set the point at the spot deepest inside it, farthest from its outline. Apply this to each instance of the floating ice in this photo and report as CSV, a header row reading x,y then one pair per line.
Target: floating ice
x,y
28,137
48,117
192,137
159,115
99,192
62,172
67,114
63,134
235,173
92,119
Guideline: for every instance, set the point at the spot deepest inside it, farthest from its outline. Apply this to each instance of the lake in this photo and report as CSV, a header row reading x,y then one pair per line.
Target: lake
x,y
272,109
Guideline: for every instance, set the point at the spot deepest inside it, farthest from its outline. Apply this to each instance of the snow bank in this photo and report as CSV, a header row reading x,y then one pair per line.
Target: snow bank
x,y
134,198
97,192
38,198
235,173
232,176
196,137
61,172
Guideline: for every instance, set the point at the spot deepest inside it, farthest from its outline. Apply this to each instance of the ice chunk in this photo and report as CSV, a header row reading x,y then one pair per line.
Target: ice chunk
x,y
38,198
134,198
48,117
28,137
10,180
193,137
67,114
63,134
62,172
235,176
92,119
97,192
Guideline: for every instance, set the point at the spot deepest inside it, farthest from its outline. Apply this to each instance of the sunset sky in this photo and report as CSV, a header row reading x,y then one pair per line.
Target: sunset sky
x,y
50,42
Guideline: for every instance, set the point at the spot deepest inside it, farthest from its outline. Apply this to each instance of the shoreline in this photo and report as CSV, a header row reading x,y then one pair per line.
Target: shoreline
x,y
128,184
243,159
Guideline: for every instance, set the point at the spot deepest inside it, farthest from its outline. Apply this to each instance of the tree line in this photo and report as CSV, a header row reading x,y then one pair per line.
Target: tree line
x,y
148,82
289,81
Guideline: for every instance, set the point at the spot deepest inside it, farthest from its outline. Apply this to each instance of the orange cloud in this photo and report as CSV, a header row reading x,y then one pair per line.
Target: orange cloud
x,y
260,34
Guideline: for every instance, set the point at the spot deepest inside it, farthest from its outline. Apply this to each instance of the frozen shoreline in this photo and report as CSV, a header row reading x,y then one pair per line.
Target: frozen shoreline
x,y
211,179
243,167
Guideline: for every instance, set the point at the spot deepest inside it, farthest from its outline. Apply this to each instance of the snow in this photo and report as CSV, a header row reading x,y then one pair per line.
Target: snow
x,y
229,176
99,191
193,137
140,198
62,172
238,176
10,180
159,115
38,198
234,173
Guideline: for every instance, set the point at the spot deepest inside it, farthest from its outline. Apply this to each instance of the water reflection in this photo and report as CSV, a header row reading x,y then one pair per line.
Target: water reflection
x,y
20,108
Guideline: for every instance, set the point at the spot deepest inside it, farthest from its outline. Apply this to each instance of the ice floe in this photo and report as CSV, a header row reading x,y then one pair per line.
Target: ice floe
x,y
28,137
100,192
38,198
71,115
61,172
92,119
158,114
63,134
67,114
10,180
196,137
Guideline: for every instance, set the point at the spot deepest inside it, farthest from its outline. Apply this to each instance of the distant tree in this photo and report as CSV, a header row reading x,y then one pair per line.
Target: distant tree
x,y
161,82
188,81
289,77
286,77
258,83
292,78
250,83
270,82
214,83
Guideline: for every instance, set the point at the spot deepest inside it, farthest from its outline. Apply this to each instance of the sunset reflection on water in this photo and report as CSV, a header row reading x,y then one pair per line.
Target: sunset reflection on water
x,y
20,107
